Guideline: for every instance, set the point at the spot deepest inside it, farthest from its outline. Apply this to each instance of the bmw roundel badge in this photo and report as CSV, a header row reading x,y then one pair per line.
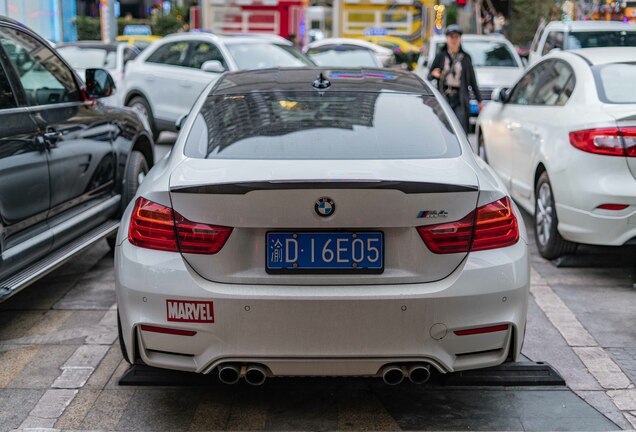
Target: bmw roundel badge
x,y
325,207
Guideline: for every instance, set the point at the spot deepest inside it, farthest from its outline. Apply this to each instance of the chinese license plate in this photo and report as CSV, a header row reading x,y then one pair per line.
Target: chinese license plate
x,y
325,252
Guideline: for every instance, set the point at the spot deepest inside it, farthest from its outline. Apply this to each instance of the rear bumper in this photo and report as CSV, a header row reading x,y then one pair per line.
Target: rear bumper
x,y
600,227
326,330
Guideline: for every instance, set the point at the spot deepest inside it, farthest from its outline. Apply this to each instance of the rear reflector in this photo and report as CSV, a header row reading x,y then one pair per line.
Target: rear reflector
x,y
480,330
612,206
492,226
606,141
155,226
166,330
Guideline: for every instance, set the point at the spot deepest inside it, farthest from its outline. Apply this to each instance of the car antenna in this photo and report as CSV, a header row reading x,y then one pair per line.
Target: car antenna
x,y
322,82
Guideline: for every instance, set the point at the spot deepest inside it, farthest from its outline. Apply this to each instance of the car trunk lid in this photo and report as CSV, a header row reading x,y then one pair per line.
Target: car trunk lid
x,y
391,197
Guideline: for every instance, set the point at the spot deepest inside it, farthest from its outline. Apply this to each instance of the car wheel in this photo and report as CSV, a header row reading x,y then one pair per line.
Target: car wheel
x,y
549,242
142,107
481,148
135,175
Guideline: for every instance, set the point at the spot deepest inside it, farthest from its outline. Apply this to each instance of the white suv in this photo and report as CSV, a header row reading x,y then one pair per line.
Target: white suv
x,y
165,80
581,34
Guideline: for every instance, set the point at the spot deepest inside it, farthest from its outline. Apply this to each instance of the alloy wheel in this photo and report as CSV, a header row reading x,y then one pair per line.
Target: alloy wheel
x,y
543,213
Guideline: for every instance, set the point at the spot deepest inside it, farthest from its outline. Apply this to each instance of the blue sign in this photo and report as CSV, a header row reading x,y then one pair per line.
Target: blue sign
x,y
375,31
137,30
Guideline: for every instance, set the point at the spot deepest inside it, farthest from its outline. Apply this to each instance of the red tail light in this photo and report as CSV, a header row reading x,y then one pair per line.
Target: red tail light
x,y
452,237
606,141
491,226
154,226
495,226
198,238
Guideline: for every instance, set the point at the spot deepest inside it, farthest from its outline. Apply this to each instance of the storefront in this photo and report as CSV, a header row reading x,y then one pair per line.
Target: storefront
x,y
52,19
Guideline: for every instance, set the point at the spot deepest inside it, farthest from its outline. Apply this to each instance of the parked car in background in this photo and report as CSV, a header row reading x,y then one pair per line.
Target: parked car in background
x,y
321,223
139,42
94,54
405,52
495,60
384,55
68,165
165,80
563,140
559,35
342,55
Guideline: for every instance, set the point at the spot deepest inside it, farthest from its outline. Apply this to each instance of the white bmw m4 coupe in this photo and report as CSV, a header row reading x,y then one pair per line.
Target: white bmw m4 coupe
x,y
321,223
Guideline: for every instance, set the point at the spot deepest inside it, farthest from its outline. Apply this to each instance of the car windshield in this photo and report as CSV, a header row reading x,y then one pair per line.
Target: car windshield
x,y
266,55
89,57
321,125
595,39
616,83
342,56
490,54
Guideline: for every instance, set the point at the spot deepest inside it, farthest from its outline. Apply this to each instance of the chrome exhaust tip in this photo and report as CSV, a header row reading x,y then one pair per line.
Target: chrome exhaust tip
x,y
229,374
255,375
419,373
392,375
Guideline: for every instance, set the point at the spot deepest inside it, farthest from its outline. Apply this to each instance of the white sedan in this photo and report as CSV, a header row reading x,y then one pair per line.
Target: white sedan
x,y
166,79
113,57
314,223
563,140
384,56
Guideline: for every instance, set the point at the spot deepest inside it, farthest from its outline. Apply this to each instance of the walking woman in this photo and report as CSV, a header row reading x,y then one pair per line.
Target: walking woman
x,y
453,70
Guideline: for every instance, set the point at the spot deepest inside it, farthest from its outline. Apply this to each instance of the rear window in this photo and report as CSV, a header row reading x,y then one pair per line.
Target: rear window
x,y
266,55
596,39
490,54
321,125
616,83
342,56
89,57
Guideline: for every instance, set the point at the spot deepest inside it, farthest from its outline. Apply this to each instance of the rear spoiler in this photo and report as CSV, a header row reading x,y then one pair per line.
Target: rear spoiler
x,y
245,187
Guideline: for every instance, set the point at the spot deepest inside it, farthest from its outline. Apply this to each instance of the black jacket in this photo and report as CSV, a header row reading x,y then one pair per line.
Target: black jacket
x,y
468,78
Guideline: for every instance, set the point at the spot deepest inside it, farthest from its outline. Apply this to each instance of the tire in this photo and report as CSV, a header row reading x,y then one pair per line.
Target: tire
x,y
549,242
481,148
112,241
136,171
122,347
141,105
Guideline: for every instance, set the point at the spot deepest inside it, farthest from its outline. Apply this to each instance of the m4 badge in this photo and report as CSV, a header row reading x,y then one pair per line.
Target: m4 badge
x,y
432,214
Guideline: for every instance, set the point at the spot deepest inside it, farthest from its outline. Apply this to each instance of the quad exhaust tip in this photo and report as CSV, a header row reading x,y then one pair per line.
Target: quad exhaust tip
x,y
229,374
418,373
392,375
253,374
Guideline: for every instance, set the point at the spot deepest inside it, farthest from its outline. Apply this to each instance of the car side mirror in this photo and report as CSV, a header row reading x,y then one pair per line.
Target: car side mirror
x,y
500,94
99,84
180,122
213,66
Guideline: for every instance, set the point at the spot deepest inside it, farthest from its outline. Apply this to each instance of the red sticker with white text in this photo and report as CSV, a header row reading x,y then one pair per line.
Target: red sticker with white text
x,y
190,311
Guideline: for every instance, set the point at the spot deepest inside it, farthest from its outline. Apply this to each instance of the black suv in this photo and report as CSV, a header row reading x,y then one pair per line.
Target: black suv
x,y
68,164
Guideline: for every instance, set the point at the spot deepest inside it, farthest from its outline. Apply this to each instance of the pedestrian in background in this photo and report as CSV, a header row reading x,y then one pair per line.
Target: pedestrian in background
x,y
455,75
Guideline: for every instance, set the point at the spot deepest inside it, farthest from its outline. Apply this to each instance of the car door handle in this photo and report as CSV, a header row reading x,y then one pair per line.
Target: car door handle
x,y
149,78
186,84
512,126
